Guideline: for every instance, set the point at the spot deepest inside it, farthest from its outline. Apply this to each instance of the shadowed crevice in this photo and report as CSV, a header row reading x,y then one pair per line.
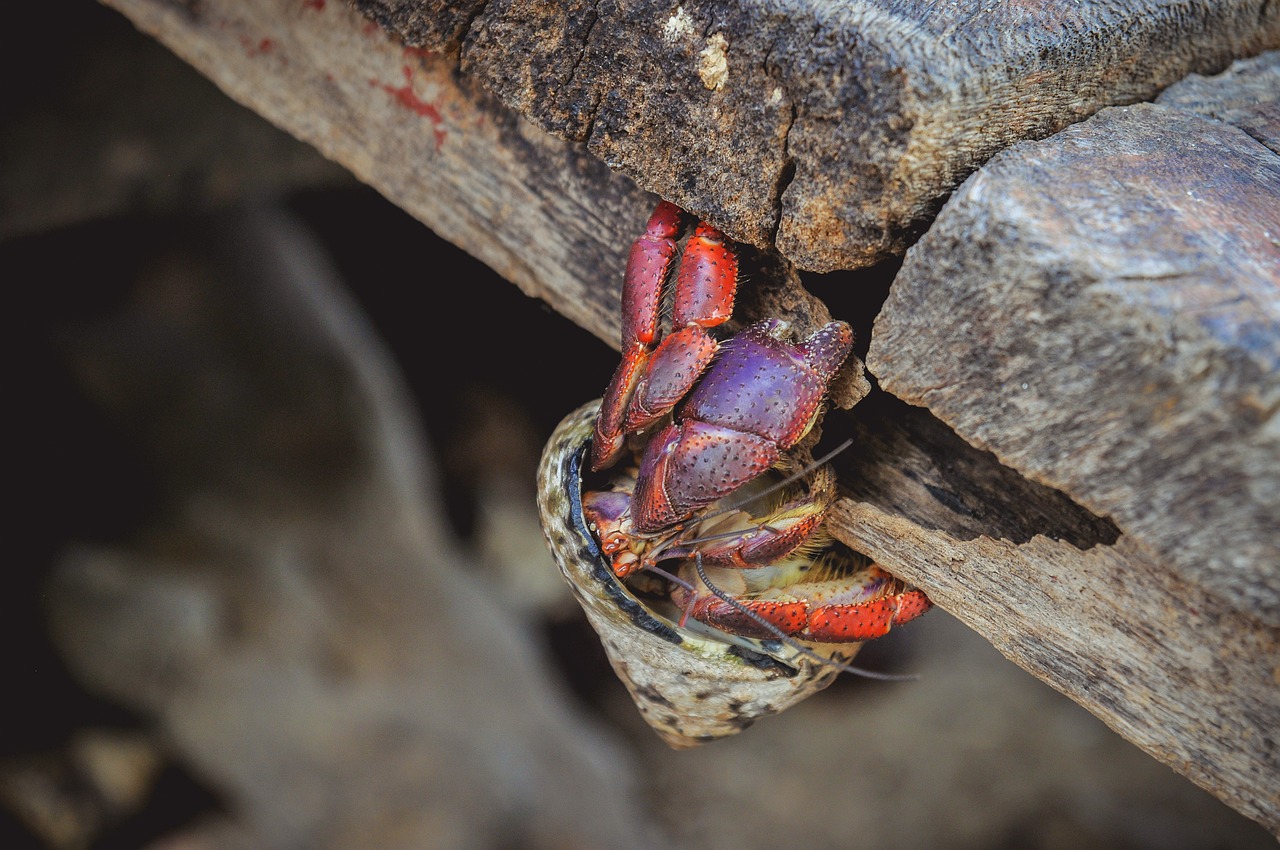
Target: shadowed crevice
x,y
906,461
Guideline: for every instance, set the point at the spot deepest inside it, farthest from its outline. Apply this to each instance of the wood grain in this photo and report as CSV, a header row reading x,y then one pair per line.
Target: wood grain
x,y
1246,95
831,131
1109,305
1171,665
542,212
1101,311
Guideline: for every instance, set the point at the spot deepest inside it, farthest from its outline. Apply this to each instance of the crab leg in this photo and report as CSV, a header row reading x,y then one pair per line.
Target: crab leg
x,y
865,621
734,538
861,607
650,380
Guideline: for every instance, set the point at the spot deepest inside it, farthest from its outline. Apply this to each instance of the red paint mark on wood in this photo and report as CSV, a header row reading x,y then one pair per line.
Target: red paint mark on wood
x,y
369,28
418,53
256,48
317,5
405,96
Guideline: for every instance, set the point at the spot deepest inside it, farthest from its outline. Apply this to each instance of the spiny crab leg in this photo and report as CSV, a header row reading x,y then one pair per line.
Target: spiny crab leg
x,y
863,606
725,539
770,629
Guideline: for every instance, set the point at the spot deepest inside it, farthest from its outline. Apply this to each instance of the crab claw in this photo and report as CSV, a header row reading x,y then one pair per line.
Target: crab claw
x,y
757,399
654,374
768,387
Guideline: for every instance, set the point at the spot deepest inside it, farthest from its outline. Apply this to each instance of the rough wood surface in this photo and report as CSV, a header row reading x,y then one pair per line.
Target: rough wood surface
x,y
542,212
1109,301
1109,304
834,131
1246,95
1173,667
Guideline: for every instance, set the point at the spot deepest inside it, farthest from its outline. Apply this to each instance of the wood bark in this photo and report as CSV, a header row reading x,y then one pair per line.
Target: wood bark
x,y
831,131
1045,579
542,212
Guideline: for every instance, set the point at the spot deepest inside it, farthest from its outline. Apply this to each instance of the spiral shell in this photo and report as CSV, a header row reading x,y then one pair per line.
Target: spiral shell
x,y
690,687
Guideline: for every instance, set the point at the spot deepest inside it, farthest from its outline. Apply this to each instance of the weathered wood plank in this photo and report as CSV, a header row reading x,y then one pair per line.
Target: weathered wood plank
x,y
1246,95
542,212
1108,302
833,131
1170,665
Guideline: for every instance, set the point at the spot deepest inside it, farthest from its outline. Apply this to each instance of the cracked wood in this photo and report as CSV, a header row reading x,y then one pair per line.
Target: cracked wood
x,y
831,131
1108,301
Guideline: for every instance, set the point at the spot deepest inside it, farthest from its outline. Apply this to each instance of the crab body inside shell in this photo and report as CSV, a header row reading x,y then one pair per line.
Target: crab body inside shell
x,y
689,539
708,418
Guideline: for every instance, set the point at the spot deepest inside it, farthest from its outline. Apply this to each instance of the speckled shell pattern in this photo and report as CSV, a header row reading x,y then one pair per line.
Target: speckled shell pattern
x,y
690,688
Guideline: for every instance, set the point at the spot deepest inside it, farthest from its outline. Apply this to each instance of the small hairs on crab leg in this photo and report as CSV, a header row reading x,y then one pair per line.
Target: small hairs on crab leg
x,y
790,641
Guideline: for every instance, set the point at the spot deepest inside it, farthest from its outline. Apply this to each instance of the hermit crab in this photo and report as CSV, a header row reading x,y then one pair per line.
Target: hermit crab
x,y
686,526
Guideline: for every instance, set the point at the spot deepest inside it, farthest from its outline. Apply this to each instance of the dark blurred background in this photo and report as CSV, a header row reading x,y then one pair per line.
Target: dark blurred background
x,y
190,405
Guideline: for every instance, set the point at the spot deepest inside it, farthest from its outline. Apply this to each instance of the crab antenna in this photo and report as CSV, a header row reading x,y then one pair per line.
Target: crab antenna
x,y
790,479
671,577
720,535
789,640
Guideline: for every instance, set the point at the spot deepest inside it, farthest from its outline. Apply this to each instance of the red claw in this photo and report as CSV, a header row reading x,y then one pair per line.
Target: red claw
x,y
685,352
708,281
647,268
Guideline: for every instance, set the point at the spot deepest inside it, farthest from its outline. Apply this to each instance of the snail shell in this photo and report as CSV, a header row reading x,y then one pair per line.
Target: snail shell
x,y
689,686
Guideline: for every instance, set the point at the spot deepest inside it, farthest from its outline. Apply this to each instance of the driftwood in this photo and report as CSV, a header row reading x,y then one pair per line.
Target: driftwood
x,y
554,220
1108,302
1109,305
832,130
